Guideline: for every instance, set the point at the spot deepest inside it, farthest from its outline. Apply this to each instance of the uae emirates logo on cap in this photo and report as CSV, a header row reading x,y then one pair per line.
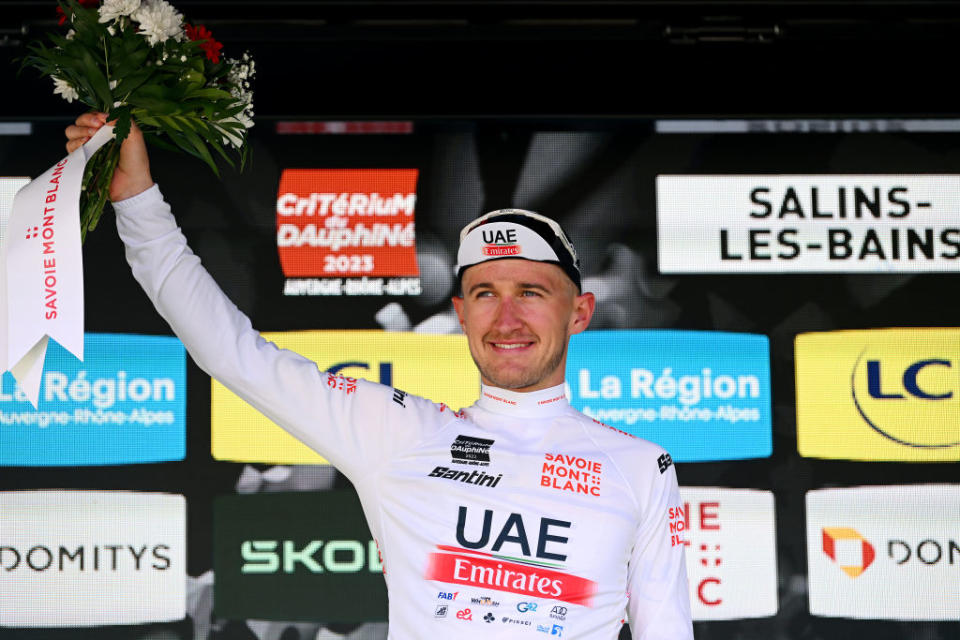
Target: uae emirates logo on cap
x,y
499,243
850,550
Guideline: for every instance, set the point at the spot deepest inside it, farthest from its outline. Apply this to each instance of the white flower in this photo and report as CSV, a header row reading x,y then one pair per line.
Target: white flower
x,y
245,118
232,136
159,21
113,85
70,34
65,89
113,9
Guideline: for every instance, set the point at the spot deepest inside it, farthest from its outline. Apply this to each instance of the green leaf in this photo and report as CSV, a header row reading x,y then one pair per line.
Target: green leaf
x,y
158,141
131,62
97,81
154,105
218,147
170,121
184,144
210,94
131,82
201,148
122,127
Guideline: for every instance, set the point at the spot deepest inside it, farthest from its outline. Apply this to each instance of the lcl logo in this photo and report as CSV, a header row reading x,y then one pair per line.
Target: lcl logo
x,y
385,368
908,399
911,381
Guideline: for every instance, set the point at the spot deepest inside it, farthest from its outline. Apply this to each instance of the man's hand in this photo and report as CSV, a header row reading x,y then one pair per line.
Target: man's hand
x,y
133,171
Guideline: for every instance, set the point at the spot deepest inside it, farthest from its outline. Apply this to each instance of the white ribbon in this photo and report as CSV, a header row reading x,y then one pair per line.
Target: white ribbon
x,y
41,269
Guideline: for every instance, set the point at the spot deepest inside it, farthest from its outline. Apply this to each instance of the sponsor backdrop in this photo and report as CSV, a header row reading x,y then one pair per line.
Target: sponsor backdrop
x,y
92,558
891,394
797,223
700,395
888,553
125,403
432,366
731,552
775,309
296,556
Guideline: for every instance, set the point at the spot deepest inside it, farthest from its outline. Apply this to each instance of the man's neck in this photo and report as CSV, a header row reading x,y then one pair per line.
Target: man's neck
x,y
540,403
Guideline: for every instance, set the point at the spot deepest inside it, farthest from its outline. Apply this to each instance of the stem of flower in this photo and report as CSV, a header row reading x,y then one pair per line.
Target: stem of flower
x,y
106,65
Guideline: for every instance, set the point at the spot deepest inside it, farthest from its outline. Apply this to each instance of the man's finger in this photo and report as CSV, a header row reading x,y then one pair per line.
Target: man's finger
x,y
73,145
75,131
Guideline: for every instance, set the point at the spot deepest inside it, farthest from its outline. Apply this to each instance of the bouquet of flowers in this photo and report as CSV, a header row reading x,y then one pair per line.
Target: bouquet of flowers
x,y
138,61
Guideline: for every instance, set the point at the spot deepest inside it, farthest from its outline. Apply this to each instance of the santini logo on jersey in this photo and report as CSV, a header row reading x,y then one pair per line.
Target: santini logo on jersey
x,y
468,450
466,477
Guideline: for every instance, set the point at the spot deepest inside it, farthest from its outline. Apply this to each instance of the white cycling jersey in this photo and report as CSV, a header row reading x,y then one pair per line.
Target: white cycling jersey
x,y
515,517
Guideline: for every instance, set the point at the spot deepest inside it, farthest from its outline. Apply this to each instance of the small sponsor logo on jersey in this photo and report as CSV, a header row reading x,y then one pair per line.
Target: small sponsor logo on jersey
x,y
677,525
447,595
509,620
558,612
664,462
558,398
552,629
489,618
467,477
470,450
524,607
399,397
485,601
440,611
499,398
571,473
342,383
443,407
464,614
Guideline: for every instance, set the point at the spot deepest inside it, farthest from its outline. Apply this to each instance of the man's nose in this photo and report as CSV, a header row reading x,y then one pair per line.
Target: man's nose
x,y
508,316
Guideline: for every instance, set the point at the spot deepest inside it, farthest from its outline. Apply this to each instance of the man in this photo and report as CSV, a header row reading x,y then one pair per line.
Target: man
x,y
518,514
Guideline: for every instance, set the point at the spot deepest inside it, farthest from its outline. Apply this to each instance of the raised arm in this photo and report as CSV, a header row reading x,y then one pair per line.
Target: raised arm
x,y
351,423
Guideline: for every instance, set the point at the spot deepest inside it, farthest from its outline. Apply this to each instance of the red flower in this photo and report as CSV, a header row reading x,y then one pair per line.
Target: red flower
x,y
86,4
205,38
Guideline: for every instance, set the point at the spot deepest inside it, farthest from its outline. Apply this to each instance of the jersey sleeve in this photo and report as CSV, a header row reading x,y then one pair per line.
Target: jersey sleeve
x,y
659,598
352,423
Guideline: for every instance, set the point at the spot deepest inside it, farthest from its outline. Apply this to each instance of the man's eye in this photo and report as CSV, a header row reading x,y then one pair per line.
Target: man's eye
x,y
531,293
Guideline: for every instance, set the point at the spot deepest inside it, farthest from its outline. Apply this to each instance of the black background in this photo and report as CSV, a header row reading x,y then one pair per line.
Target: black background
x,y
496,74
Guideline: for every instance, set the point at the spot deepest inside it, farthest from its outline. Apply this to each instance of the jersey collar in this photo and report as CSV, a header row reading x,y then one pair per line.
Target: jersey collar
x,y
543,403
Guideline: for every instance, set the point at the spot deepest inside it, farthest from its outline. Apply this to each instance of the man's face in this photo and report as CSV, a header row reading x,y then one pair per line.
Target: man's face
x,y
518,316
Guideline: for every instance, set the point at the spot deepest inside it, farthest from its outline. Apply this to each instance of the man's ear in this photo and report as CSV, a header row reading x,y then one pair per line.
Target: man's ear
x,y
583,307
458,307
